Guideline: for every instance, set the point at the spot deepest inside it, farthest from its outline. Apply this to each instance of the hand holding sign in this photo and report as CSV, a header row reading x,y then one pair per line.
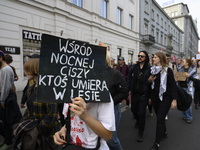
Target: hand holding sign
x,y
69,69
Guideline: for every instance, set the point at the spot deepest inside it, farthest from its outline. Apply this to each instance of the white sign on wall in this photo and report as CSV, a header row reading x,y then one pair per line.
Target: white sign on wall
x,y
197,56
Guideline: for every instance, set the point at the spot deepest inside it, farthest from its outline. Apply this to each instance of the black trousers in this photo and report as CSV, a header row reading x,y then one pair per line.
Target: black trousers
x,y
6,129
138,108
161,109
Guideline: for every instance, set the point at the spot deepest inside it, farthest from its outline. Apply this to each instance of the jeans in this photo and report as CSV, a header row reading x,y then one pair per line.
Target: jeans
x,y
114,143
188,113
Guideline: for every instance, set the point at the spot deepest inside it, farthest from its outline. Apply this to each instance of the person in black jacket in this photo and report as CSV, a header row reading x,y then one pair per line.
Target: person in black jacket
x,y
163,94
119,91
137,83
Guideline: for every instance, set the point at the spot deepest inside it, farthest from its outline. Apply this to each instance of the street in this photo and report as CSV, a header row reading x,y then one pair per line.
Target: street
x,y
181,136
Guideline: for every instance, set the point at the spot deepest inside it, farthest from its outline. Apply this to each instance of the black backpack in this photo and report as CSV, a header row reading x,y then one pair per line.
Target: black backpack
x,y
184,100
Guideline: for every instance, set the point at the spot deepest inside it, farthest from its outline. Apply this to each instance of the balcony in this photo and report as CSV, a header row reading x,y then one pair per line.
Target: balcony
x,y
170,35
170,47
148,39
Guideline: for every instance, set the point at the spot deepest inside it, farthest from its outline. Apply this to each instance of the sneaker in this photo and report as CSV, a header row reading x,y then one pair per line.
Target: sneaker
x,y
151,114
164,136
196,107
6,147
155,147
140,137
166,118
189,121
2,143
184,118
136,125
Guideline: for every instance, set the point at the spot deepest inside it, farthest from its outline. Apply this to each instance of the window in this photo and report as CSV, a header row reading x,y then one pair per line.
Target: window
x,y
119,15
152,14
77,2
169,28
146,6
157,19
145,29
161,22
161,39
165,26
165,41
175,22
176,13
130,22
157,34
119,50
152,32
104,8
172,14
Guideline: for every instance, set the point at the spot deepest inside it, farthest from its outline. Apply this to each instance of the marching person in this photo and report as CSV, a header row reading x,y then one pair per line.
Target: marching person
x,y
187,85
45,114
96,119
179,64
163,94
137,83
9,109
124,69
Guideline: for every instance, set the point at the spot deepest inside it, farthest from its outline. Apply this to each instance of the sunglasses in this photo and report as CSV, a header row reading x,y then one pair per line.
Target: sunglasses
x,y
142,56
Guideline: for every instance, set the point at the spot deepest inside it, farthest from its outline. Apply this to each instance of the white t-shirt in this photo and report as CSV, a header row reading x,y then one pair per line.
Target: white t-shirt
x,y
81,134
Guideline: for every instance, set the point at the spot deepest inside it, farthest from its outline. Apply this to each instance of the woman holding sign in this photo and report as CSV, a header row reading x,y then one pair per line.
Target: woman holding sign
x,y
163,94
187,85
39,122
92,124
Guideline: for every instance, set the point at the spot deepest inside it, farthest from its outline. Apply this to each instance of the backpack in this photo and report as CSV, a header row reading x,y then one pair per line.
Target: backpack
x,y
184,100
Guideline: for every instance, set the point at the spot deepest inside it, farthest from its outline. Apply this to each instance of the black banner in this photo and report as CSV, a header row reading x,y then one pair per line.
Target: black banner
x,y
69,69
10,49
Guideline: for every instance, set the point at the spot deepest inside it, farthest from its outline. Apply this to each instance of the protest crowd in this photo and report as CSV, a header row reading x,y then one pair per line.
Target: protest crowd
x,y
153,82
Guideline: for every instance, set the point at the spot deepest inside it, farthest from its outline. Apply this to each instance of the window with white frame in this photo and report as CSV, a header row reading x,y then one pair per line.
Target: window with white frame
x,y
152,32
175,21
119,16
157,19
145,28
161,22
78,3
146,6
130,22
152,14
157,35
104,8
176,13
172,14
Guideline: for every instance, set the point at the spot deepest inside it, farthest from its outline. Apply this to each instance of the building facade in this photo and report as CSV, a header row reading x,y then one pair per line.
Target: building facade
x,y
158,32
179,13
22,23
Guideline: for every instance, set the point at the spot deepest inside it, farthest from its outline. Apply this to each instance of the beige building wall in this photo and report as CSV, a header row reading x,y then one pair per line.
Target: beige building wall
x,y
62,16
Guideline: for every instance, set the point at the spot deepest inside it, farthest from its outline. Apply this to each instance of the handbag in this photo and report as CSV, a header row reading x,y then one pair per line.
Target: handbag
x,y
184,100
68,146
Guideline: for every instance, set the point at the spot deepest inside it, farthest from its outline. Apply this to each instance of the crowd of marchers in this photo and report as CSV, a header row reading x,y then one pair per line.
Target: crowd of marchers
x,y
150,82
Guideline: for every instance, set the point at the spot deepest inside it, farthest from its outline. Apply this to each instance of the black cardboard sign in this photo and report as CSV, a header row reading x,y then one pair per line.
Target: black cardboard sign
x,y
69,69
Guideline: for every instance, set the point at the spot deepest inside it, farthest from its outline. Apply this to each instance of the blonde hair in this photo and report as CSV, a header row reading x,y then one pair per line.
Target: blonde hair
x,y
163,59
32,66
108,61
